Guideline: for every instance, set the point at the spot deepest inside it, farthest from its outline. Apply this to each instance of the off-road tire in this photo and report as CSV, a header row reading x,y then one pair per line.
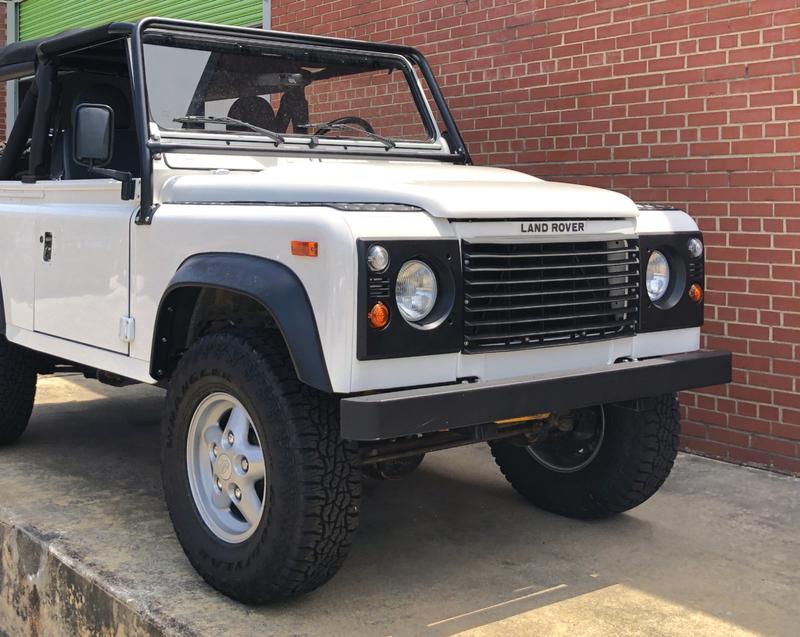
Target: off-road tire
x,y
314,482
17,390
635,457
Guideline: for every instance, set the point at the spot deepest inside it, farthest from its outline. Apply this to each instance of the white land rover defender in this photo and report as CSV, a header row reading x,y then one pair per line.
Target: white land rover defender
x,y
287,233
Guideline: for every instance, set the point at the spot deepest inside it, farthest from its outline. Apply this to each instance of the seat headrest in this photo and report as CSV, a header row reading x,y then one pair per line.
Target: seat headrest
x,y
253,110
110,96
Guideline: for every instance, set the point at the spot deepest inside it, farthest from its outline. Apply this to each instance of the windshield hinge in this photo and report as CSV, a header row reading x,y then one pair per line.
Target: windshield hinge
x,y
146,218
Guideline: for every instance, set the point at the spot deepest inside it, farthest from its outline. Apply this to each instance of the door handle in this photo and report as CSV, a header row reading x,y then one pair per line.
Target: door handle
x,y
47,250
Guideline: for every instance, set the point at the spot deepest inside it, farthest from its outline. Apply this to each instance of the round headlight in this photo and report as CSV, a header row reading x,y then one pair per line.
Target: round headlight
x,y
377,258
657,279
416,291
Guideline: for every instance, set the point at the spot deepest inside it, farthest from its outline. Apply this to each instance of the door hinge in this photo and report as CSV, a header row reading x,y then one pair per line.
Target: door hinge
x,y
127,329
47,251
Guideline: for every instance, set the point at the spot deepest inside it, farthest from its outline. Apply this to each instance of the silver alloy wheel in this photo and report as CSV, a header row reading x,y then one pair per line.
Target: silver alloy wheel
x,y
226,468
571,451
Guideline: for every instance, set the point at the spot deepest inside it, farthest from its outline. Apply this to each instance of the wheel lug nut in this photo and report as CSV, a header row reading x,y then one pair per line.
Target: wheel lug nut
x,y
218,483
237,493
231,439
245,465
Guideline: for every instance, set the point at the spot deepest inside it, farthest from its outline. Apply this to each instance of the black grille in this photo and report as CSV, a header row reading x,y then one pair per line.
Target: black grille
x,y
521,295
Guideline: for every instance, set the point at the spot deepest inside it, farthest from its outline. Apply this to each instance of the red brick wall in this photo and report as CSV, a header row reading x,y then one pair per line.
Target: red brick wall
x,y
691,102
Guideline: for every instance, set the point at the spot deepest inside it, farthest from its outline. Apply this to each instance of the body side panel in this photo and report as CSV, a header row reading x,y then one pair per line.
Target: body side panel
x,y
81,292
113,362
19,249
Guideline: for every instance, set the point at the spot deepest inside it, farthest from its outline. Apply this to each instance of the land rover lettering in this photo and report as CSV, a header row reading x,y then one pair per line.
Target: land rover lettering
x,y
563,227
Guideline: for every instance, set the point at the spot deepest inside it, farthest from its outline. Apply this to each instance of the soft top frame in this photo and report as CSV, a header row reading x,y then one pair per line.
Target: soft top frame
x,y
20,59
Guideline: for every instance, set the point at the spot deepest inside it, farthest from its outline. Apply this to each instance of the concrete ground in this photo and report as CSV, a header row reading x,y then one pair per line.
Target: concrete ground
x,y
450,550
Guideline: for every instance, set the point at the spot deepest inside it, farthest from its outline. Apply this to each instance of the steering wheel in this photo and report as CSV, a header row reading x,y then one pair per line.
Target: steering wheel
x,y
350,120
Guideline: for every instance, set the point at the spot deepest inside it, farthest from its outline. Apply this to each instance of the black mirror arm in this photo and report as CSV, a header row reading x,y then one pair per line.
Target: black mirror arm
x,y
128,183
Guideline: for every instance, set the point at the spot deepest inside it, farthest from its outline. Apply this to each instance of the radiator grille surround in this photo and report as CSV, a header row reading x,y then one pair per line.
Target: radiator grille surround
x,y
526,295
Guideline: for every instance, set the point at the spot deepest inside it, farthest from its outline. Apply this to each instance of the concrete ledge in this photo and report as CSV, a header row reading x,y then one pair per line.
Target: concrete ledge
x,y
46,591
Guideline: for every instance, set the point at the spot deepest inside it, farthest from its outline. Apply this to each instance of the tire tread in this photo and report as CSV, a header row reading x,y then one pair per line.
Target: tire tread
x,y
645,444
17,390
330,488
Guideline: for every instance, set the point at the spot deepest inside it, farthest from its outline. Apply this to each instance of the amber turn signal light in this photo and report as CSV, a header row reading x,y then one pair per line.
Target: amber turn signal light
x,y
378,316
696,293
305,248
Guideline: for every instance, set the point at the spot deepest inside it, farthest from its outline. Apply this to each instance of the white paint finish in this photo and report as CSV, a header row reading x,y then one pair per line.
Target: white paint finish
x,y
651,221
392,373
90,356
444,190
19,248
395,373
397,225
82,292
497,365
669,342
177,161
180,231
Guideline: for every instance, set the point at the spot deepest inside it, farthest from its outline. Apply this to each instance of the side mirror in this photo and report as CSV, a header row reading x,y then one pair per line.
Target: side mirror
x,y
93,147
93,126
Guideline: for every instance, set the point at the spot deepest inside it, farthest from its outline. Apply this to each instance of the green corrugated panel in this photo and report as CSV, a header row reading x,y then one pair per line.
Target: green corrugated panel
x,y
40,18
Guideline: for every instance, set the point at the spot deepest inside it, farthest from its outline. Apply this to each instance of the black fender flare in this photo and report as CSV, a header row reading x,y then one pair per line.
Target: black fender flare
x,y
271,284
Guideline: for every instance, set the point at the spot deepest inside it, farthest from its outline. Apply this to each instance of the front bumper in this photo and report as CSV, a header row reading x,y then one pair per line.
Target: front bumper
x,y
417,411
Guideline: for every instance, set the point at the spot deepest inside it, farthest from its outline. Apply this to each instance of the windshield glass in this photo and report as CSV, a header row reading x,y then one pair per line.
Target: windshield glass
x,y
255,88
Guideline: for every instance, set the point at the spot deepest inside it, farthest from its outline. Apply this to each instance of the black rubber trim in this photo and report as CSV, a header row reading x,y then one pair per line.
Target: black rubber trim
x,y
405,413
273,285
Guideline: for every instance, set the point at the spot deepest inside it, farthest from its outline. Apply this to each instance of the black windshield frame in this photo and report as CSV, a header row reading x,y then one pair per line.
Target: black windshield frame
x,y
295,53
458,150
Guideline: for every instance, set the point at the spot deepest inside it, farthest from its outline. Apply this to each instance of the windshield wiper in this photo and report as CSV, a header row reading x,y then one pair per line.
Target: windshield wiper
x,y
230,121
386,141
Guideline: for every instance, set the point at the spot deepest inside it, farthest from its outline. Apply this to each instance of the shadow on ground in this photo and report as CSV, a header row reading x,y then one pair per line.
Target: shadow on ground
x,y
449,550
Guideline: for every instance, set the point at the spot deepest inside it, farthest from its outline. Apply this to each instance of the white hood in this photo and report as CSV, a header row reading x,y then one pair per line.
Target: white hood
x,y
444,190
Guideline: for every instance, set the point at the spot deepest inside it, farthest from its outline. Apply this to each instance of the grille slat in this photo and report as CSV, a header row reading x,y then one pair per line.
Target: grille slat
x,y
526,295
554,279
537,306
515,295
518,335
543,319
557,266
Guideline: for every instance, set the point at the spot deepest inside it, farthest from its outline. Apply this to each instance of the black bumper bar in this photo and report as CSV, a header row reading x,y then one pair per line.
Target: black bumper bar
x,y
409,412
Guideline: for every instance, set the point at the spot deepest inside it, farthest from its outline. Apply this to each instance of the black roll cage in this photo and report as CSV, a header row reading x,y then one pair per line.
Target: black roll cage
x,y
47,50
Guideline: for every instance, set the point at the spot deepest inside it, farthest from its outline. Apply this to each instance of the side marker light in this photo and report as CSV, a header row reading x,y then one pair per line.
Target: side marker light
x,y
305,248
